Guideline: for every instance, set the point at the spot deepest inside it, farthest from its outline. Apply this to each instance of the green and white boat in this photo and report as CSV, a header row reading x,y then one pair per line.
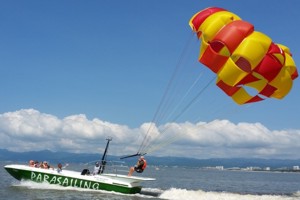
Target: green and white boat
x,y
68,178
101,181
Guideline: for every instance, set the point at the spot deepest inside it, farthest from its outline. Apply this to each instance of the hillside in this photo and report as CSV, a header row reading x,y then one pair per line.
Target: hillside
x,y
65,157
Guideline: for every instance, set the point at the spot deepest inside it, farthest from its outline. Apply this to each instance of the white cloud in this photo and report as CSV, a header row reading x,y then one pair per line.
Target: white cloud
x,y
31,130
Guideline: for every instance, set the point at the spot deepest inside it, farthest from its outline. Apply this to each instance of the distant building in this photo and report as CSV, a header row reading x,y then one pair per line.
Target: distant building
x,y
253,168
296,168
249,168
267,168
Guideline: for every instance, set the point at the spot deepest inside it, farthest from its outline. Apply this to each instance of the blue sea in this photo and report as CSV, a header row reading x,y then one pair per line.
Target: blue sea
x,y
171,183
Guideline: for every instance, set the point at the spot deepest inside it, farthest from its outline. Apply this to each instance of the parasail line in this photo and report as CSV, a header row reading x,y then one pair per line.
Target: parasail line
x,y
185,109
164,101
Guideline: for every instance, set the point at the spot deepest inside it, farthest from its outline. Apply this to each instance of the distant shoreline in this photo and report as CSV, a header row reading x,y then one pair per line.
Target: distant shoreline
x,y
263,170
249,164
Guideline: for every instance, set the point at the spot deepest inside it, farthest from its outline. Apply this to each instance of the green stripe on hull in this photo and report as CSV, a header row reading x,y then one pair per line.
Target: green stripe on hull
x,y
69,181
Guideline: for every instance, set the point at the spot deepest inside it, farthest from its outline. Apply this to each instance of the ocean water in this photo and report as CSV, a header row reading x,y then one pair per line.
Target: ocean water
x,y
172,183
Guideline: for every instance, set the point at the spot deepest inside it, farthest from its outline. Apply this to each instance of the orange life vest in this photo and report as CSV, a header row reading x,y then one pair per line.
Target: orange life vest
x,y
144,165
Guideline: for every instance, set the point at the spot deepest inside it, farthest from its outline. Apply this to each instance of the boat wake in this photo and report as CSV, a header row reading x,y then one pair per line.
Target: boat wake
x,y
172,193
145,193
180,194
43,186
152,192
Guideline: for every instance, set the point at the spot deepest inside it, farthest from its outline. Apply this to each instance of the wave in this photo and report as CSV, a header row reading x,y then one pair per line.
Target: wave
x,y
297,194
179,194
171,194
42,186
146,192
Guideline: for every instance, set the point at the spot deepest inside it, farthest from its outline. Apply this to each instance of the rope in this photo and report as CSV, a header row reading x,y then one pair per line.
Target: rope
x,y
165,105
176,137
185,96
165,98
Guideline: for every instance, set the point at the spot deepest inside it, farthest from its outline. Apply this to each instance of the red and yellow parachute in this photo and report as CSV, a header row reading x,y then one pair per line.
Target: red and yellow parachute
x,y
242,57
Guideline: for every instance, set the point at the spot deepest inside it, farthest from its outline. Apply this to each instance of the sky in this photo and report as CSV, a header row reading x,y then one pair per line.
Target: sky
x,y
76,72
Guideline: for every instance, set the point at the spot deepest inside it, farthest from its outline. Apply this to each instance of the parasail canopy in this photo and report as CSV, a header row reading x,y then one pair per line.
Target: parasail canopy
x,y
242,57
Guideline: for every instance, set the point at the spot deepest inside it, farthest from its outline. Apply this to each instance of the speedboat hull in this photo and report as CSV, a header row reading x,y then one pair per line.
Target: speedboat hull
x,y
68,178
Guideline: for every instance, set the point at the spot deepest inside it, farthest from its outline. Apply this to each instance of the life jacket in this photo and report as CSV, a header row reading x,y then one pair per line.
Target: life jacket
x,y
144,165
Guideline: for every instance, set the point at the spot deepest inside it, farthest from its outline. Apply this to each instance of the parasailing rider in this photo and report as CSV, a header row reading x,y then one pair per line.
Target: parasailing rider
x,y
139,167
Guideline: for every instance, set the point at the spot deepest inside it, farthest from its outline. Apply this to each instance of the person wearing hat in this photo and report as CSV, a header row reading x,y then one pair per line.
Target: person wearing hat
x,y
139,167
96,168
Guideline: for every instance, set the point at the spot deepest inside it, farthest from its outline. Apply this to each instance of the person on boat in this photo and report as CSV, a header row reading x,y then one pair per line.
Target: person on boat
x,y
139,167
31,163
96,168
46,165
36,164
59,167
